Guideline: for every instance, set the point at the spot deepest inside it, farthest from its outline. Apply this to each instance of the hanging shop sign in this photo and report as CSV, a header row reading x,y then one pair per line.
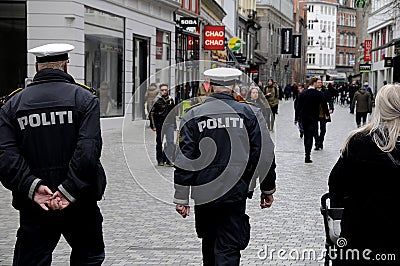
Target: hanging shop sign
x,y
296,46
214,37
388,62
367,50
286,44
365,68
188,22
235,44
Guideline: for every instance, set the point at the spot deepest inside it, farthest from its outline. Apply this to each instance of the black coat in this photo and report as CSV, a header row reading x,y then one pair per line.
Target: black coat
x,y
240,135
308,106
50,134
365,181
160,111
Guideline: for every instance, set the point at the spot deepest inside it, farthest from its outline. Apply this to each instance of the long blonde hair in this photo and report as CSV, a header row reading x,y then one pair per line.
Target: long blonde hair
x,y
385,123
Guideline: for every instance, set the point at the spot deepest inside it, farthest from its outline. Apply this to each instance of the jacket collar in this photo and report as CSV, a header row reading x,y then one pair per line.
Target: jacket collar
x,y
221,95
50,74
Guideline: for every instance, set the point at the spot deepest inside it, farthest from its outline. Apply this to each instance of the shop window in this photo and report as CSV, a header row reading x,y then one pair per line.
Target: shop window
x,y
104,59
12,46
163,55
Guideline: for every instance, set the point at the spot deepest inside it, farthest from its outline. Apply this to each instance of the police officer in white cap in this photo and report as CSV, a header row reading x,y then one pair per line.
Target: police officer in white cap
x,y
224,145
50,150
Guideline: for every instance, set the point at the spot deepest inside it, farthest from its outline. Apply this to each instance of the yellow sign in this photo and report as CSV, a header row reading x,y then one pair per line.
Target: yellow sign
x,y
235,44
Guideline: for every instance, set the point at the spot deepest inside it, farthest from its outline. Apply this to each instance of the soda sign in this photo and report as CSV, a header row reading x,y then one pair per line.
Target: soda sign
x,y
214,37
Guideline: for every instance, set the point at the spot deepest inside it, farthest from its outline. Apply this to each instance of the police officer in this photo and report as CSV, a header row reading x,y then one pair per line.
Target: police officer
x,y
224,145
50,149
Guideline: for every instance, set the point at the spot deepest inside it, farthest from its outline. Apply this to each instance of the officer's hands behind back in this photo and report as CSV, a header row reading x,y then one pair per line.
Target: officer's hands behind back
x,y
46,199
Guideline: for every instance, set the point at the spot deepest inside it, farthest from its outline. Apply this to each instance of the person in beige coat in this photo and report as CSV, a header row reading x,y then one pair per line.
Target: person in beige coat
x,y
150,95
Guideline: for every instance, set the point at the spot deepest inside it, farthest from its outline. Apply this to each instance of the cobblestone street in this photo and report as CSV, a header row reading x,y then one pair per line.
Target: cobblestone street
x,y
141,226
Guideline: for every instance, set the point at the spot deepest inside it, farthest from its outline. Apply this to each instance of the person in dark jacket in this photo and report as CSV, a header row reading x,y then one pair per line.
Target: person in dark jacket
x,y
163,122
50,150
320,137
365,182
362,101
353,88
220,173
308,109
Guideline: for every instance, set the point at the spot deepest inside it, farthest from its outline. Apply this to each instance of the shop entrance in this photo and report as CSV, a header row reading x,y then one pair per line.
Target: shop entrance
x,y
12,46
140,74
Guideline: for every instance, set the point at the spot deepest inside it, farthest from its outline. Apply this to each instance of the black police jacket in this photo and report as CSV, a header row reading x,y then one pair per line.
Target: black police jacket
x,y
50,135
223,145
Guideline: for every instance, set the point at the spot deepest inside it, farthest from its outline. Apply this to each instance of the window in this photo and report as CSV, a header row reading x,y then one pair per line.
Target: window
x,y
311,59
194,5
104,59
341,40
163,54
311,41
347,40
341,58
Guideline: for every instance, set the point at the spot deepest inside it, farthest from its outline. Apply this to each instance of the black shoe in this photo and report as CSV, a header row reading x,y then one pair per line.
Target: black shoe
x,y
169,164
308,160
321,146
316,148
301,135
160,164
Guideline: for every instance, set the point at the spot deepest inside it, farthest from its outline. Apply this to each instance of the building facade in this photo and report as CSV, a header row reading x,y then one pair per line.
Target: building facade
x,y
347,41
272,17
321,37
381,29
119,45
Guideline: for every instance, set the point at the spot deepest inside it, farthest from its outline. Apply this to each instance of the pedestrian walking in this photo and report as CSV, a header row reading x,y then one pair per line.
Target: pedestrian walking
x,y
370,162
320,137
50,150
149,97
254,98
164,124
299,124
353,88
205,89
362,102
368,89
221,187
272,96
308,112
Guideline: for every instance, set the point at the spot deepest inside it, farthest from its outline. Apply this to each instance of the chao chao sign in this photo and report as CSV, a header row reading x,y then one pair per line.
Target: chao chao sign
x,y
214,37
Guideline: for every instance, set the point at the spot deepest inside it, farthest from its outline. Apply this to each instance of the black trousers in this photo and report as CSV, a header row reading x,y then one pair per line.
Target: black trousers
x,y
164,155
225,230
310,131
319,138
40,231
359,116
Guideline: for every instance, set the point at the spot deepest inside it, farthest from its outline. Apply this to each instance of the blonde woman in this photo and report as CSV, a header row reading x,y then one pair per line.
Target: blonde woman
x,y
365,182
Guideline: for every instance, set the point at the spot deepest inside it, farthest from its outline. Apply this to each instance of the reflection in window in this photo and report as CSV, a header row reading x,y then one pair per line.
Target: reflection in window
x,y
163,55
104,57
12,46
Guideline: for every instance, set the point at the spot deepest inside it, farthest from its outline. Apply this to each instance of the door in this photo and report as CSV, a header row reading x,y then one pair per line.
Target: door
x,y
140,74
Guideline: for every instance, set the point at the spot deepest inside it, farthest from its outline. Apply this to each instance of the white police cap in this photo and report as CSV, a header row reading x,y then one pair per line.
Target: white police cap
x,y
223,75
52,52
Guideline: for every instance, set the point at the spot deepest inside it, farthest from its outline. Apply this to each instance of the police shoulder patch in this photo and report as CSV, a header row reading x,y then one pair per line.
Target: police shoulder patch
x,y
92,91
4,99
248,103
